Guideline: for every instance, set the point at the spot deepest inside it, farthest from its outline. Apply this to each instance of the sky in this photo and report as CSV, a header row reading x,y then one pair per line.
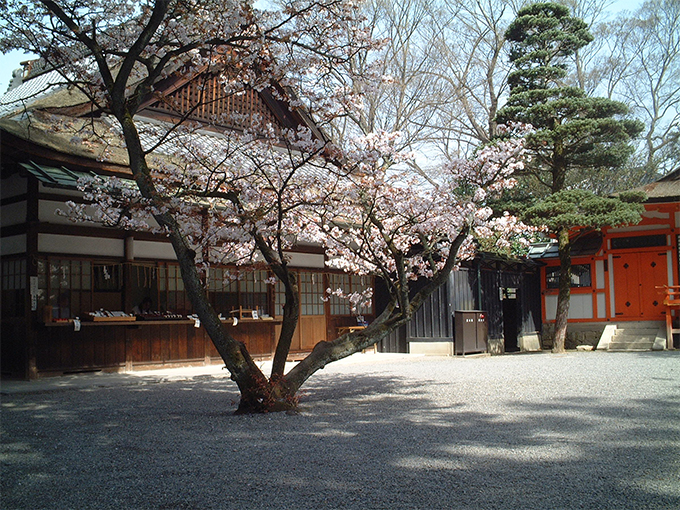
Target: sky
x,y
11,61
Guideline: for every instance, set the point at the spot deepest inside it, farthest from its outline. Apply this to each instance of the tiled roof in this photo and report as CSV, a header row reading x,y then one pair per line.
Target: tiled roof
x,y
668,187
588,244
30,92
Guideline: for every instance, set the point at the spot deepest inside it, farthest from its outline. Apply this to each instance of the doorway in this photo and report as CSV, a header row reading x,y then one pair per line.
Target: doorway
x,y
636,276
511,315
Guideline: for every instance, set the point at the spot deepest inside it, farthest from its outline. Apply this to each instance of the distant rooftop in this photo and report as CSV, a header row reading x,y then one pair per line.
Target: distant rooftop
x,y
665,189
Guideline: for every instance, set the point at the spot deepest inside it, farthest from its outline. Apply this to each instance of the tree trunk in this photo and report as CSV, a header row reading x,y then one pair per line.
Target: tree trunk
x,y
564,247
257,393
346,345
291,315
391,318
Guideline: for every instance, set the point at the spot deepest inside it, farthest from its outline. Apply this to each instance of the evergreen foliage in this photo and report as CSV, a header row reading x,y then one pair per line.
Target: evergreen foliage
x,y
573,134
572,131
575,207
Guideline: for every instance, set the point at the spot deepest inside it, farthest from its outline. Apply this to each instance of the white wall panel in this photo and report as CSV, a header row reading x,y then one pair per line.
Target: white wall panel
x,y
580,306
13,214
47,212
77,245
13,245
153,250
314,260
601,305
599,274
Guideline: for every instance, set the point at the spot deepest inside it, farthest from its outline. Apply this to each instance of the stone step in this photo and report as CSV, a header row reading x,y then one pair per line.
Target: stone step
x,y
638,344
634,336
641,325
635,333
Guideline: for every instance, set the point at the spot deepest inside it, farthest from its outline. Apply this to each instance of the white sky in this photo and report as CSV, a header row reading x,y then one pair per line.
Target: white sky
x,y
11,60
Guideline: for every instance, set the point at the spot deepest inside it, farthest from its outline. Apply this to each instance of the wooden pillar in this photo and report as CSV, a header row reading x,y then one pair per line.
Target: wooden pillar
x,y
32,316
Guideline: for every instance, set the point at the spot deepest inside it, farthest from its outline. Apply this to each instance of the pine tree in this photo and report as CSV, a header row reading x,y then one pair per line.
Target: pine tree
x,y
573,132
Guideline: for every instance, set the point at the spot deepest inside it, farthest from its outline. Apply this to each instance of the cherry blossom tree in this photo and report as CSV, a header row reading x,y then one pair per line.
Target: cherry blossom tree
x,y
408,231
247,196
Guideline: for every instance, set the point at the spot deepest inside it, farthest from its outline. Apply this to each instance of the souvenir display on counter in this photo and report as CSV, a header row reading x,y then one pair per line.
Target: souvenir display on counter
x,y
241,313
109,316
160,316
144,311
144,307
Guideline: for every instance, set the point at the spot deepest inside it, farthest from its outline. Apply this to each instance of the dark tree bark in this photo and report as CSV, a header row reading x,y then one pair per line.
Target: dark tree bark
x,y
562,314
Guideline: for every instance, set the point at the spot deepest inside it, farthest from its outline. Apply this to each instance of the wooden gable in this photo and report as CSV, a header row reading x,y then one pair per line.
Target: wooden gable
x,y
204,100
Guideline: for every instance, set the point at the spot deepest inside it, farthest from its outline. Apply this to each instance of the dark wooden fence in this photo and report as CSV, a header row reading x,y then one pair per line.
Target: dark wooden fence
x,y
508,291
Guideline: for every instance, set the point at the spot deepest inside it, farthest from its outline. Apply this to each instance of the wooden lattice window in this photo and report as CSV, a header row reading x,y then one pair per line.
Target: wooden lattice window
x,y
222,290
13,287
205,100
311,294
66,286
254,291
173,298
348,284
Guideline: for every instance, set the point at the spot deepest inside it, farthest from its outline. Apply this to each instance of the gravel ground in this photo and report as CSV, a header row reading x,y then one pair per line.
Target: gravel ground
x,y
580,430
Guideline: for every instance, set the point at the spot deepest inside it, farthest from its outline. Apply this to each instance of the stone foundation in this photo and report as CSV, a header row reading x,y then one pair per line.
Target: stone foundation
x,y
577,334
530,342
431,348
495,346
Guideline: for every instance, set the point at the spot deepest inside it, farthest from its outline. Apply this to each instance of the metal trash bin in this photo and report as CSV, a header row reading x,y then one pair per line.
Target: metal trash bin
x,y
471,331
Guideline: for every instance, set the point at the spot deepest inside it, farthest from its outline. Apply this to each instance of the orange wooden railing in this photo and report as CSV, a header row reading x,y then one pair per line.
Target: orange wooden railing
x,y
672,302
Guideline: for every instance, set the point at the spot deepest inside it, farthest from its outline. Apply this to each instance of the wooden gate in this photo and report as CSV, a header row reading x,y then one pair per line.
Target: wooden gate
x,y
636,276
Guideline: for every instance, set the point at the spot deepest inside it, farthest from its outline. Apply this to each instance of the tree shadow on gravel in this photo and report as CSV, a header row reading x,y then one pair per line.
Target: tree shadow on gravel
x,y
362,441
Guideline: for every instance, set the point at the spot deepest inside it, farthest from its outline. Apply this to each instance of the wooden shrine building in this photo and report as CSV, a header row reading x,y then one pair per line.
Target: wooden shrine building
x,y
54,271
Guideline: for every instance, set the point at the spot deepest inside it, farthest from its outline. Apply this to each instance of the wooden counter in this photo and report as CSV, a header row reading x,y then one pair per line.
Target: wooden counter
x,y
126,344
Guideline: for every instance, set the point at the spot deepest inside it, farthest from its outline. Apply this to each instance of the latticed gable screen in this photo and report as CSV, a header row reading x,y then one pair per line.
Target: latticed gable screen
x,y
205,100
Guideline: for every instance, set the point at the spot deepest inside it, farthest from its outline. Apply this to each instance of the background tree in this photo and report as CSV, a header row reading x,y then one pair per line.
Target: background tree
x,y
573,132
634,59
645,74
444,76
261,190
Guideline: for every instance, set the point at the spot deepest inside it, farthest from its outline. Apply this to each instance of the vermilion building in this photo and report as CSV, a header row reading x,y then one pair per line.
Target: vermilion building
x,y
619,277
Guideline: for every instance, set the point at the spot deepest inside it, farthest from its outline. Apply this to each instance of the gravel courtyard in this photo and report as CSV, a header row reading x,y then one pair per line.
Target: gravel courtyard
x,y
581,430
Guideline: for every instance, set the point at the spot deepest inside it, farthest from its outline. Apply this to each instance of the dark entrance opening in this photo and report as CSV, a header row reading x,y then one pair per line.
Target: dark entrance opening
x,y
510,320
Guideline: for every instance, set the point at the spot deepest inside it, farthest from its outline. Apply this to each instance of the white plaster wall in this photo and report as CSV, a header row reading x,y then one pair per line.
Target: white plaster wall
x,y
601,305
153,250
580,306
77,245
599,274
315,260
47,212
13,245
13,214
669,267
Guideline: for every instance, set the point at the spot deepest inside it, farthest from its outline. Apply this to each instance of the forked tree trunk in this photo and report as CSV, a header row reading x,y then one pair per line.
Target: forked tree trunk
x,y
562,314
258,394
291,314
